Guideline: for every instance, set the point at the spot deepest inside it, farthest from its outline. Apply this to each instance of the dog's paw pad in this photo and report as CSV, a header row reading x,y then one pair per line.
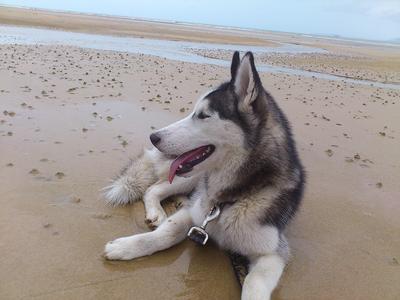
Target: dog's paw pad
x,y
155,221
149,221
111,252
120,249
153,224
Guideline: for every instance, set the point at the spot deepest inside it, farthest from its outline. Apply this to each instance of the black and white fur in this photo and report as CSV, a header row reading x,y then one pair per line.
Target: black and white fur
x,y
255,169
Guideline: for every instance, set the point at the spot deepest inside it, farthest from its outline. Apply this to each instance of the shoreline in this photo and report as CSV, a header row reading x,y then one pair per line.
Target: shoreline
x,y
124,26
199,26
288,59
350,60
24,16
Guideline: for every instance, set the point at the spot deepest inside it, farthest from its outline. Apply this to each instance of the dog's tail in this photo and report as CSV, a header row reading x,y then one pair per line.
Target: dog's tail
x,y
132,182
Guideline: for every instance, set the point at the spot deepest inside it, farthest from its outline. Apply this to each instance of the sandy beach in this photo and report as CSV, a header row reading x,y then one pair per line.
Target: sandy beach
x,y
71,116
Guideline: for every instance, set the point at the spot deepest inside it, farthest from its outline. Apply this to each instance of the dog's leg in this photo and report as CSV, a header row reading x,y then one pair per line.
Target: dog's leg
x,y
263,277
171,232
155,214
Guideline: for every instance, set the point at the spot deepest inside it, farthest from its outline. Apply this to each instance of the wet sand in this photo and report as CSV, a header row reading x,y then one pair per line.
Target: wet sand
x,y
382,66
70,118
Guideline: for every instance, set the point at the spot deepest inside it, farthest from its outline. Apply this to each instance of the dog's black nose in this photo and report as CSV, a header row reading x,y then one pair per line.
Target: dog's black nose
x,y
155,139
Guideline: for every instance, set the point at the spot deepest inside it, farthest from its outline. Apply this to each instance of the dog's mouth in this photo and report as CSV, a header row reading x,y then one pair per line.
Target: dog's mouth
x,y
185,162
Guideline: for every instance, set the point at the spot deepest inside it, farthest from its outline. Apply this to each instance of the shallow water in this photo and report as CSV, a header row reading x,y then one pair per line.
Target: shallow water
x,y
174,50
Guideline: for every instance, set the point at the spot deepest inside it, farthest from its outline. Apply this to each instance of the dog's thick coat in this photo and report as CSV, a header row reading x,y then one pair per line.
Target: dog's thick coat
x,y
254,170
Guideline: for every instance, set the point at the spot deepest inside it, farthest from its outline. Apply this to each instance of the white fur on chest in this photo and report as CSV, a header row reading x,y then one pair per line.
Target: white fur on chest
x,y
237,229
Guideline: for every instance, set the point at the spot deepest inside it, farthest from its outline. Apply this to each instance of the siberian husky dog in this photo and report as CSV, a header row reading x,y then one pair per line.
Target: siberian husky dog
x,y
235,151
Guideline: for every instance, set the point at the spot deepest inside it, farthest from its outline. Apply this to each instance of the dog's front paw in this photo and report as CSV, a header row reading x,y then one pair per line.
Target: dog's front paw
x,y
122,249
154,217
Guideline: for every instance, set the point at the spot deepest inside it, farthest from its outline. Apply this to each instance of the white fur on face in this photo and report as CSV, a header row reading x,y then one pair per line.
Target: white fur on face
x,y
192,132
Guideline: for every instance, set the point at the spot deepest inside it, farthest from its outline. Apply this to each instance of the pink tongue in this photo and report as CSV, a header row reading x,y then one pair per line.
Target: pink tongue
x,y
180,160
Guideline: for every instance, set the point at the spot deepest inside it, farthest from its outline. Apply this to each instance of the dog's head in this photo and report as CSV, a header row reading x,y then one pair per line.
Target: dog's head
x,y
224,123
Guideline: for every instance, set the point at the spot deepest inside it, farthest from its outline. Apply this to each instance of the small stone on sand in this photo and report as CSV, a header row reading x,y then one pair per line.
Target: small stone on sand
x,y
329,152
34,172
75,199
101,216
394,261
59,175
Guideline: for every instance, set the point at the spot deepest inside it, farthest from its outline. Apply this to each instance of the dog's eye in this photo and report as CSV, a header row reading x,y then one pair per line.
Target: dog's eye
x,y
202,115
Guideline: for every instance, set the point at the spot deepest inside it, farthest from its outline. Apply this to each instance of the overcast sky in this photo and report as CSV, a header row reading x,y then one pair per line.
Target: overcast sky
x,y
366,19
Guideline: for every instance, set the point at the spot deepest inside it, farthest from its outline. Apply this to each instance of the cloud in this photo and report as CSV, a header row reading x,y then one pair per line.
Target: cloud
x,y
383,8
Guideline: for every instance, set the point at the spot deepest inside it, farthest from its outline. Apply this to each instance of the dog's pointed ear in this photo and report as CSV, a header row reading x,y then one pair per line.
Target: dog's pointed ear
x,y
247,83
235,65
